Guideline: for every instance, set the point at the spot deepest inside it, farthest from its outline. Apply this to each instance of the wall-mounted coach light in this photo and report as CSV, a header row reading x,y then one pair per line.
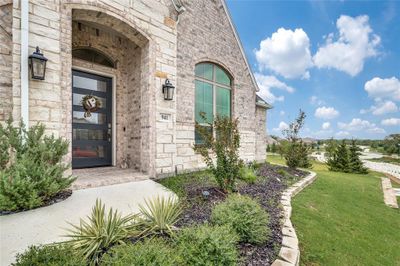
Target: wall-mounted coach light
x,y
168,90
37,62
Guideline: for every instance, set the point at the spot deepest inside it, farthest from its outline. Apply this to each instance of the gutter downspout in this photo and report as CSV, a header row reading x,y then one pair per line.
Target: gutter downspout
x,y
24,62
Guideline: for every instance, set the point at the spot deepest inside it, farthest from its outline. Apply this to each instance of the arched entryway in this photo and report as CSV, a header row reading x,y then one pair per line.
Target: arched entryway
x,y
109,65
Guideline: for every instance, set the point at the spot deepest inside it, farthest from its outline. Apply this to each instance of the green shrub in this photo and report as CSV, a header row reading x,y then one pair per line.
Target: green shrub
x,y
49,256
31,169
159,215
207,245
94,237
154,251
247,174
245,216
296,152
222,143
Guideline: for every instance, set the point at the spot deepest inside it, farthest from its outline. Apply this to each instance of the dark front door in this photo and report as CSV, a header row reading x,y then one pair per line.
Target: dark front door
x,y
91,135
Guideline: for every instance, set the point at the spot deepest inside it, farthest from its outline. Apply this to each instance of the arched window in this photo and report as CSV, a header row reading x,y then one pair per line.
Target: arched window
x,y
213,94
93,56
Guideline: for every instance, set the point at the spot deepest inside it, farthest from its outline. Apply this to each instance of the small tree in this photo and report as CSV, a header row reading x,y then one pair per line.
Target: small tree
x,y
355,164
273,147
330,149
282,147
223,146
304,151
339,162
296,153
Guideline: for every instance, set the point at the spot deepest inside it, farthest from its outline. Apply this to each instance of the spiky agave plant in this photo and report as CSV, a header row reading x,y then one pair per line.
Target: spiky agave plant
x,y
94,237
159,215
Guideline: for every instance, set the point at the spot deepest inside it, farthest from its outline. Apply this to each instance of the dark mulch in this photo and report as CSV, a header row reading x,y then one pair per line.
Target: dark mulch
x,y
60,196
274,179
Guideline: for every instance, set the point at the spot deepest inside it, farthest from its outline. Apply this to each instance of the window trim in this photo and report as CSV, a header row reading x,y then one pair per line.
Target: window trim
x,y
99,52
214,85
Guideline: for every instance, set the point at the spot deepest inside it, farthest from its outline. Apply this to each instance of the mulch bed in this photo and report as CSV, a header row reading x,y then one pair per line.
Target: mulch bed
x,y
267,191
60,196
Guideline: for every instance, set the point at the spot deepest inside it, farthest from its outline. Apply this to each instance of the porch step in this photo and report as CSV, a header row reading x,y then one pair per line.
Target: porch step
x,y
104,176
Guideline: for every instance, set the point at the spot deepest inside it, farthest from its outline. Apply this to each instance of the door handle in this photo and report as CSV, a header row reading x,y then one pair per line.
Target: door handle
x,y
109,134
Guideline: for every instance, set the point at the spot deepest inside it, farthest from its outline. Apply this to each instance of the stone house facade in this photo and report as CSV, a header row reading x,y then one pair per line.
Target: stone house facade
x,y
122,52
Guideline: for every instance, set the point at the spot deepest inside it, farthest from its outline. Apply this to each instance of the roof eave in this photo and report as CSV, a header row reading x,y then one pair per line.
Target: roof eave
x,y
240,44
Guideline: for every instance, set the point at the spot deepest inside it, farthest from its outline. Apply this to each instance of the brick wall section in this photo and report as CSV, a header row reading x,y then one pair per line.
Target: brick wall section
x,y
5,61
127,56
261,123
205,34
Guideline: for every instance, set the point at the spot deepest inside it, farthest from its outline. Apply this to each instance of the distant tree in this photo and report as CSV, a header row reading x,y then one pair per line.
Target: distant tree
x,y
330,148
391,144
282,147
268,148
339,162
273,147
355,164
296,152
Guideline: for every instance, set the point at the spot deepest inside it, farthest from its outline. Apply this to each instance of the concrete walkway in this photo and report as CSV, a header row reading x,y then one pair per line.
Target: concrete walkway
x,y
46,225
389,196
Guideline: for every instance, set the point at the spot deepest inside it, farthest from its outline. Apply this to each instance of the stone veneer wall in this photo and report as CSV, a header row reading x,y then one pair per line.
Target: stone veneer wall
x,y
261,123
166,127
147,23
5,61
205,34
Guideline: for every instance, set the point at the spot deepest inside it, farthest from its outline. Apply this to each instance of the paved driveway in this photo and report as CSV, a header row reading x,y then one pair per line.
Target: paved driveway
x,y
46,225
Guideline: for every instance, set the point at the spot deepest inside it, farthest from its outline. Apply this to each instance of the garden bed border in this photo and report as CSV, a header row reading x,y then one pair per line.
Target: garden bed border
x,y
289,254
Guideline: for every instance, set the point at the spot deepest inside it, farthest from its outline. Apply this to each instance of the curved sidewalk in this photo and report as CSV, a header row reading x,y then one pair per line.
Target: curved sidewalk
x,y
46,225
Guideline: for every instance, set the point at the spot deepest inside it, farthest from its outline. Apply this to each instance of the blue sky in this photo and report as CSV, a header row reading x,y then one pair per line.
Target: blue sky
x,y
338,61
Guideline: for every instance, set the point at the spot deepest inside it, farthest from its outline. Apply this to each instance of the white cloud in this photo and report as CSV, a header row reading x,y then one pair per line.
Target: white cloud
x,y
355,43
267,83
378,88
314,100
287,53
342,134
326,126
356,124
282,113
326,112
282,126
381,108
391,122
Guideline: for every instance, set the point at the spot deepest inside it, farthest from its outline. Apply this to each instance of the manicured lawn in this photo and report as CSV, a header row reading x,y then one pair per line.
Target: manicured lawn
x,y
341,220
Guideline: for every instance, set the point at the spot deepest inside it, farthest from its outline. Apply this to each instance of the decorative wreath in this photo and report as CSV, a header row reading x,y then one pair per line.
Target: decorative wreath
x,y
91,104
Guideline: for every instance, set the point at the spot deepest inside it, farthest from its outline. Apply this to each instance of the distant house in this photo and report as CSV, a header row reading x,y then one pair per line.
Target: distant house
x,y
106,85
270,140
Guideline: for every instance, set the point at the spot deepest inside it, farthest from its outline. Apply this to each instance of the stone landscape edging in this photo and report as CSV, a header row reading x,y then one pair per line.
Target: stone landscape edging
x,y
289,254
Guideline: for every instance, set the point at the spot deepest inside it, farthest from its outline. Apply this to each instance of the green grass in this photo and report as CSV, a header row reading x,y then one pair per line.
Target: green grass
x,y
177,183
341,220
386,159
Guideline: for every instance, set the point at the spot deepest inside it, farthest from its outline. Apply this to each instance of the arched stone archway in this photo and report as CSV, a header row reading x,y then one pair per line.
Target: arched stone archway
x,y
131,132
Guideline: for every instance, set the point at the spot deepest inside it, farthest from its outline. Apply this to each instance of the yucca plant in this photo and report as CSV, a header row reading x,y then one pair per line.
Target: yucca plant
x,y
159,215
94,237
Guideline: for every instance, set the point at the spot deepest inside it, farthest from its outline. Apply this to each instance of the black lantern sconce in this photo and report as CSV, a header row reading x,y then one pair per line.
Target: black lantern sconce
x,y
37,62
168,90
